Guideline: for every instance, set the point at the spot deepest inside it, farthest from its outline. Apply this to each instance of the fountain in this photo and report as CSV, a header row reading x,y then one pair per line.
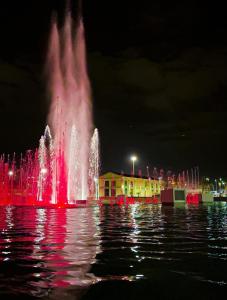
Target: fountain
x,y
65,168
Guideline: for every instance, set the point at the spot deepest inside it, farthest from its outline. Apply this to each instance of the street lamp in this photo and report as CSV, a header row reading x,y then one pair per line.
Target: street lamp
x,y
216,184
10,173
44,171
133,160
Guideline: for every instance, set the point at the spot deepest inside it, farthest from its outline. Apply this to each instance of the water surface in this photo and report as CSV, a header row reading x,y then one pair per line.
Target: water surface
x,y
109,252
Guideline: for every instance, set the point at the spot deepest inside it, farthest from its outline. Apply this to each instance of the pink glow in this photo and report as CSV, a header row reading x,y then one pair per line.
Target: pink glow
x,y
66,165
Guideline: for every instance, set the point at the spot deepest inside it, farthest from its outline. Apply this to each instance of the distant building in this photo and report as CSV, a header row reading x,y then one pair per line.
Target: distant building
x,y
113,184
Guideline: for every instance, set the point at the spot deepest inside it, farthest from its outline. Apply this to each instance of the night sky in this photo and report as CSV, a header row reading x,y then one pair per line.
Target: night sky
x,y
158,71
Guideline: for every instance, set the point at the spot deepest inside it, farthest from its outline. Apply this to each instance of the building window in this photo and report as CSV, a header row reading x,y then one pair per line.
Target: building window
x,y
131,188
126,188
113,184
107,184
113,188
107,188
107,194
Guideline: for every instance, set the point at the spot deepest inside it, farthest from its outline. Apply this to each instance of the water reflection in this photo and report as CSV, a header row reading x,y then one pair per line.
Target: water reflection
x,y
59,254
154,242
44,249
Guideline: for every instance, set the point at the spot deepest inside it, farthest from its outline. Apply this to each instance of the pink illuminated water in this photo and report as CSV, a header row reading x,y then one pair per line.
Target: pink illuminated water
x,y
65,167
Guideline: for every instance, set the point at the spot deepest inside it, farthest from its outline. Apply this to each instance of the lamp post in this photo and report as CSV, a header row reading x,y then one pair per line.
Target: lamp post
x,y
216,185
133,160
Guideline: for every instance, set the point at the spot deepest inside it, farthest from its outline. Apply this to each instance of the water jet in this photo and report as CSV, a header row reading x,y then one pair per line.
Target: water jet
x,y
63,170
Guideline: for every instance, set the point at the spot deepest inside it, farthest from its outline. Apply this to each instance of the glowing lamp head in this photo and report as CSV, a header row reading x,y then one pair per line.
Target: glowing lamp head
x,y
133,158
96,179
10,173
43,171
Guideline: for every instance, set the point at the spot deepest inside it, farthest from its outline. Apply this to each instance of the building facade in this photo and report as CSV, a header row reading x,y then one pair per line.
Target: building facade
x,y
113,184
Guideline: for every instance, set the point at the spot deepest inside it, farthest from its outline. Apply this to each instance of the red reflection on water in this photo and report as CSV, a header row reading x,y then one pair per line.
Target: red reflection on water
x,y
52,242
124,200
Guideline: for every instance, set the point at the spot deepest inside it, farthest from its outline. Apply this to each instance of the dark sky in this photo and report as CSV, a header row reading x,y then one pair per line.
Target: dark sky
x,y
158,71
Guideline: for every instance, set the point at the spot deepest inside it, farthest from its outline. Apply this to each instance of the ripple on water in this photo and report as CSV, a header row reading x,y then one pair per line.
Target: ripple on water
x,y
43,251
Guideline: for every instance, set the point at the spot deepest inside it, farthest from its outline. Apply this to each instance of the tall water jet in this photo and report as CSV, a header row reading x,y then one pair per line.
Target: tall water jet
x,y
70,114
65,167
73,188
94,165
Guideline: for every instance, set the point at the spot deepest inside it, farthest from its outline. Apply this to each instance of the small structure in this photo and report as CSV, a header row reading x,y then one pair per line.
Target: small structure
x,y
173,195
113,185
207,196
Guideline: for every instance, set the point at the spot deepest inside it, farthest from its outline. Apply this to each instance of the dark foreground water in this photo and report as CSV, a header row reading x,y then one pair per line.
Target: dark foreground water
x,y
135,252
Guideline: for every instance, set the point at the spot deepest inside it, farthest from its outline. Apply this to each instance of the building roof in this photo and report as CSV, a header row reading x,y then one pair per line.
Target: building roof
x,y
128,175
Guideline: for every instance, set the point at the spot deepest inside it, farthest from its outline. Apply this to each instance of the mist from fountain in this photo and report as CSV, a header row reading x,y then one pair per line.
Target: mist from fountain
x,y
65,167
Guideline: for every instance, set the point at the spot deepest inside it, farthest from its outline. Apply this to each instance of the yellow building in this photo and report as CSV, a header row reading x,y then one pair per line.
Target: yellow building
x,y
113,184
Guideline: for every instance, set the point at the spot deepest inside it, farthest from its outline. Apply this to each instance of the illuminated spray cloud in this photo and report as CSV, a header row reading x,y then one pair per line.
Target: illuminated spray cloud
x,y
65,168
70,115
